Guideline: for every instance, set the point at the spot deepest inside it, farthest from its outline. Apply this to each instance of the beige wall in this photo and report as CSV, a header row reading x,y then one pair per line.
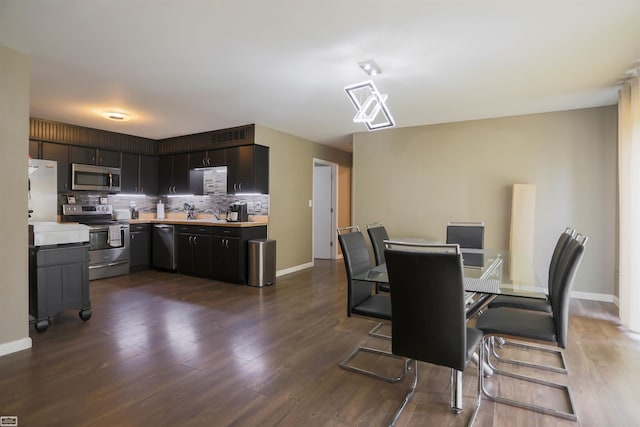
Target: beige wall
x,y
14,138
417,179
291,188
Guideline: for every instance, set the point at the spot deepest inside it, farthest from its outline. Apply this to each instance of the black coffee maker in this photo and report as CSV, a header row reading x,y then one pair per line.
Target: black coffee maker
x,y
238,212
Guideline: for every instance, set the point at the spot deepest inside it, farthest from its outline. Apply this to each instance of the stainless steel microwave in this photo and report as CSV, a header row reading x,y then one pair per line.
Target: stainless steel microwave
x,y
95,178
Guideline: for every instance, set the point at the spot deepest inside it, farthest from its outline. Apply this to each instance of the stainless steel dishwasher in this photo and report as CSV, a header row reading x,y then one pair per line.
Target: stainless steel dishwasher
x,y
164,249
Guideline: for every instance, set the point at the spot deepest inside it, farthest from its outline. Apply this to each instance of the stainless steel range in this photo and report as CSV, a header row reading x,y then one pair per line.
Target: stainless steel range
x,y
108,239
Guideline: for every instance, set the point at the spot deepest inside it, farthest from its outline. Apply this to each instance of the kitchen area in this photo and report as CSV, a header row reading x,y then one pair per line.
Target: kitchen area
x,y
200,212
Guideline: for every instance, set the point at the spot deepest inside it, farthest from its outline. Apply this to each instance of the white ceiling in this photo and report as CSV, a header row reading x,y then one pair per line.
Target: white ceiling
x,y
181,67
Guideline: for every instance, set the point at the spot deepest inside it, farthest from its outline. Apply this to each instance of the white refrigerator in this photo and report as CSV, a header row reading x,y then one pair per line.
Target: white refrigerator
x,y
43,190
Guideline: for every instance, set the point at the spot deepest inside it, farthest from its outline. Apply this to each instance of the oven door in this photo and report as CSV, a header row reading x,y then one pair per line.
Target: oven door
x,y
108,255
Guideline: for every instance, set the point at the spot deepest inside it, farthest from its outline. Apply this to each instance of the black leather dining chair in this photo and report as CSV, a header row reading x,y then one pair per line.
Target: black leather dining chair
x,y
378,234
429,320
361,298
469,235
536,304
538,327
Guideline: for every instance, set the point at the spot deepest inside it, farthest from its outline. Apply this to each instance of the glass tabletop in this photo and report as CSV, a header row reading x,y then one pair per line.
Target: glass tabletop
x,y
485,271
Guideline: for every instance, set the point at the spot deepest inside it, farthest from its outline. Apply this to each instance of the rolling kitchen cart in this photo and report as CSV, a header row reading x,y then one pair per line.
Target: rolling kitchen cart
x,y
58,281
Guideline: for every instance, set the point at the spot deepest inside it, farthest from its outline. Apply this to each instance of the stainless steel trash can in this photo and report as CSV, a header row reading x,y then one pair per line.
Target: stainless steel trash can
x,y
262,262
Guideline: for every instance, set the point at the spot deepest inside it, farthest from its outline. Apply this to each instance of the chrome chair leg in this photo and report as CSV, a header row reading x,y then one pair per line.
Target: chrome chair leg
x,y
541,409
374,332
409,394
560,353
345,364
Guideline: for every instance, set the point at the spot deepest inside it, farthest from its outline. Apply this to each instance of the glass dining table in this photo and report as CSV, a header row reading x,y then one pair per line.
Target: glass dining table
x,y
487,273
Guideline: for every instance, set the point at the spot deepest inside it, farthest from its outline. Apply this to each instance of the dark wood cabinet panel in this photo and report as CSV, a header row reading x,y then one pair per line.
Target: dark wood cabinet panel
x,y
194,250
139,174
59,153
230,247
139,247
148,174
34,149
248,169
93,156
173,174
83,155
210,158
108,158
129,173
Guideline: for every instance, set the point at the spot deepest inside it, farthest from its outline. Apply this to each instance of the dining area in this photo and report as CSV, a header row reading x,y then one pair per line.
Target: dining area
x,y
459,305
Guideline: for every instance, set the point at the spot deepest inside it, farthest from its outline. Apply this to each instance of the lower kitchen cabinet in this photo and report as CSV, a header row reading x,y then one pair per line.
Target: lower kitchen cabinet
x,y
139,247
194,246
230,247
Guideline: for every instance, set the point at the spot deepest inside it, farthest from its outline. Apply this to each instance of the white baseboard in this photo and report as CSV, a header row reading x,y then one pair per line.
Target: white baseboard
x,y
594,297
294,269
13,346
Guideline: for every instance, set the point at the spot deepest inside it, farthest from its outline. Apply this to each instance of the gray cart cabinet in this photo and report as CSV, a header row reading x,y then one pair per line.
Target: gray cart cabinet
x,y
58,281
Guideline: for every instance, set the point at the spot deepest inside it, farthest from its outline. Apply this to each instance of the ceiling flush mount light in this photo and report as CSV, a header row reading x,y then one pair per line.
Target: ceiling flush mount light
x,y
370,106
115,116
370,67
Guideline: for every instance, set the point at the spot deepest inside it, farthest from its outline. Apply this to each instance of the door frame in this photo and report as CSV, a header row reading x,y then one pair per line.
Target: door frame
x,y
334,206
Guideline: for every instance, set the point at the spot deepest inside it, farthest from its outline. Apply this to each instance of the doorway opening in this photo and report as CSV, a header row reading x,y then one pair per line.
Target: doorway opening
x,y
324,212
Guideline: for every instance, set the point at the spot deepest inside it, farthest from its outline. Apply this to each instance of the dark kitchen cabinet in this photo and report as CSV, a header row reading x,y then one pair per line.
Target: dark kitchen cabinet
x,y
139,247
93,156
204,159
59,153
194,245
230,247
139,174
248,169
34,149
173,174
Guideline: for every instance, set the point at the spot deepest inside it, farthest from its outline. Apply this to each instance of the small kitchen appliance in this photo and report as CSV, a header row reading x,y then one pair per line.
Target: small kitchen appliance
x,y
238,212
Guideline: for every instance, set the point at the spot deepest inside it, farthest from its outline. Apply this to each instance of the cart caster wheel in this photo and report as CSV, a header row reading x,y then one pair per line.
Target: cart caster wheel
x,y
85,314
42,325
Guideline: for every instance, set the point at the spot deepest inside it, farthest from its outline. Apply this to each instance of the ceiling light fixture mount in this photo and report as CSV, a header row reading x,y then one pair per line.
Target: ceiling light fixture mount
x,y
370,67
115,116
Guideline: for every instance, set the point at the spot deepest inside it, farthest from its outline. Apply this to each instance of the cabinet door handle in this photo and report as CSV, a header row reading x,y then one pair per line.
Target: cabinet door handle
x,y
194,240
190,237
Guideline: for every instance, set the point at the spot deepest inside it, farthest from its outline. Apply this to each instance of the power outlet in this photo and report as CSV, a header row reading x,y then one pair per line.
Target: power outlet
x,y
257,206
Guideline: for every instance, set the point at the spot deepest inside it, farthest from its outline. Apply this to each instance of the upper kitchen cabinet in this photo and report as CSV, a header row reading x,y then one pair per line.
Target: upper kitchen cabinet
x,y
34,149
210,158
173,174
95,156
59,153
248,169
139,174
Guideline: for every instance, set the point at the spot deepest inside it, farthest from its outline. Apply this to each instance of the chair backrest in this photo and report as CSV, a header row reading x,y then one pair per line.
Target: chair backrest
x,y
356,260
377,235
427,302
558,251
563,281
469,235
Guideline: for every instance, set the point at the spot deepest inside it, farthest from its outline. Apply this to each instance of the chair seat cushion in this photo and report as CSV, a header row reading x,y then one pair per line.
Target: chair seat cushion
x,y
474,336
522,303
378,306
518,323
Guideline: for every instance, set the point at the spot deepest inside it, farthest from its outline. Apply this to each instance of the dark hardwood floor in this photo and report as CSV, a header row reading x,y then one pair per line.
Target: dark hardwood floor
x,y
165,350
